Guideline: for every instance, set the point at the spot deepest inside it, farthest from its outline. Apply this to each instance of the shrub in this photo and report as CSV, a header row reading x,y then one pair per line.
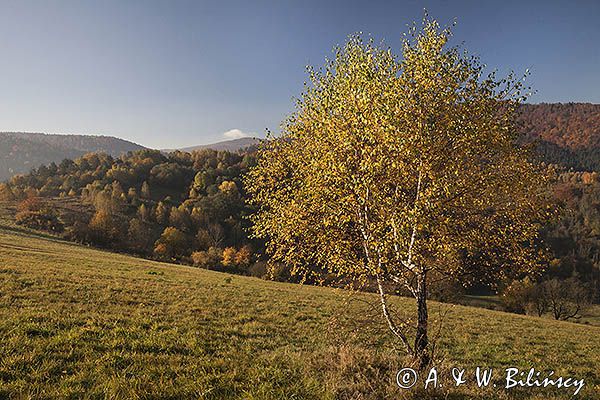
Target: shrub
x,y
516,296
39,220
35,213
172,243
209,259
258,270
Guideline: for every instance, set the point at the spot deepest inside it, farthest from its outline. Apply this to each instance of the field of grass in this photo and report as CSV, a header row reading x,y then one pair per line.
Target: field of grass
x,y
590,315
78,323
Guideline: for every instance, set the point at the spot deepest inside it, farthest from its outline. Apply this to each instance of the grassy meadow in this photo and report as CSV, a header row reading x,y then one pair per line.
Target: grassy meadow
x,y
77,322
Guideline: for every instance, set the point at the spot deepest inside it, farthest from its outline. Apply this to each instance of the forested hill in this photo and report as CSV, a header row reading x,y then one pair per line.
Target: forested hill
x,y
569,125
567,134
187,207
21,151
191,207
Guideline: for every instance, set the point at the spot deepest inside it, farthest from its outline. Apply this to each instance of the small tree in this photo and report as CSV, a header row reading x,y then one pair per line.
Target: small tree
x,y
179,218
171,244
6,193
228,259
145,190
140,235
132,194
566,299
162,213
525,296
538,303
107,228
243,257
391,170
229,188
143,213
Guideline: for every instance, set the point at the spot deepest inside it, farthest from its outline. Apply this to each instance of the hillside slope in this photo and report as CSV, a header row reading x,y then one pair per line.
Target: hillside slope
x,y
567,134
22,151
568,125
82,323
226,145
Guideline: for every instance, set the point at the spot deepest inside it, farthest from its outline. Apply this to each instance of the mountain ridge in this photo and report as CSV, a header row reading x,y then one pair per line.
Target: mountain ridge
x,y
82,142
223,145
567,134
22,151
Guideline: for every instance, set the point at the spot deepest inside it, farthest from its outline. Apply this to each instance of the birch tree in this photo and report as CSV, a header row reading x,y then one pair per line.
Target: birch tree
x,y
393,168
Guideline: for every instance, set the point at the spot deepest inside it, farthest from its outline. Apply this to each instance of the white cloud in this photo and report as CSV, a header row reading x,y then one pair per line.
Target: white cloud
x,y
236,134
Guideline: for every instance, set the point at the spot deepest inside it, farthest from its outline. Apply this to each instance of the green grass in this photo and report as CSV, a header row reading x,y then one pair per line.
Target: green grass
x,y
590,315
78,323
489,302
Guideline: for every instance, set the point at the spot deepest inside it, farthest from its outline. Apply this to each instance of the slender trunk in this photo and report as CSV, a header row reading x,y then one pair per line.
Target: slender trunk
x,y
421,341
393,328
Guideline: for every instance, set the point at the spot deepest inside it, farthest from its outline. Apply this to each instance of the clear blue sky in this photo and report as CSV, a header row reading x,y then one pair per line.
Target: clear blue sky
x,y
174,73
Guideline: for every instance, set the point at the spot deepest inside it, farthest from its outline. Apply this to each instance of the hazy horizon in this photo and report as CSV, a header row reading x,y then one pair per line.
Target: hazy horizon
x,y
180,74
226,136
223,138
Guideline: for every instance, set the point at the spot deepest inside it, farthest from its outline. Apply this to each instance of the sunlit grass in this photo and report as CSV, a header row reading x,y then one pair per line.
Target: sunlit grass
x,y
82,323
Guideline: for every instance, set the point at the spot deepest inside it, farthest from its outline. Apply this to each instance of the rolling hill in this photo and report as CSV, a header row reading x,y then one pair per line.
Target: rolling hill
x,y
567,134
568,125
226,145
76,322
22,151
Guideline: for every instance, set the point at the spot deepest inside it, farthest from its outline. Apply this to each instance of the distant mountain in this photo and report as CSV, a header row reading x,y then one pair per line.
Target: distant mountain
x,y
227,145
567,134
22,151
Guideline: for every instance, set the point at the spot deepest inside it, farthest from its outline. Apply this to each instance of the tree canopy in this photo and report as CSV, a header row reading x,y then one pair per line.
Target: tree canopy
x,y
391,169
